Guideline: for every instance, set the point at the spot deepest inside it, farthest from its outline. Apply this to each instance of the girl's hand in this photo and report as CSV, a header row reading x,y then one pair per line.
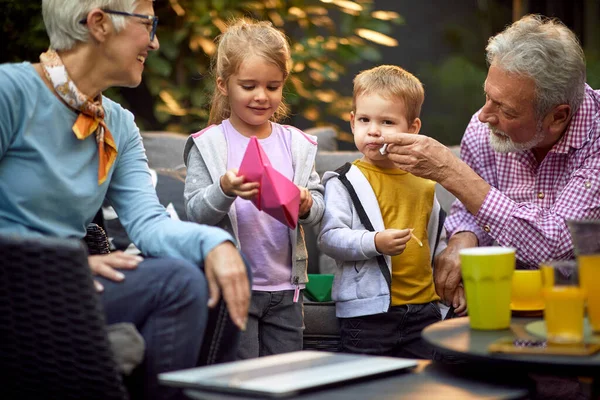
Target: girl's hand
x,y
306,202
233,185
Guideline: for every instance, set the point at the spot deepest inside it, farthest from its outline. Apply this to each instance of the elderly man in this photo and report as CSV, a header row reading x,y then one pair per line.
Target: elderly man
x,y
530,155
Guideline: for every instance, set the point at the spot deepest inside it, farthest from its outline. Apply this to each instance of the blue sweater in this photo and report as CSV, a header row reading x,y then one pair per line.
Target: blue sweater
x,y
49,178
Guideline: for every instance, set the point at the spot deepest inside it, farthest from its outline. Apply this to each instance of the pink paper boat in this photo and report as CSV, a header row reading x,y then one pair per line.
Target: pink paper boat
x,y
277,195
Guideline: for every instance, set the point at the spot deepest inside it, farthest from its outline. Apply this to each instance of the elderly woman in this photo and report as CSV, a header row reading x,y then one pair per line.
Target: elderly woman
x,y
64,148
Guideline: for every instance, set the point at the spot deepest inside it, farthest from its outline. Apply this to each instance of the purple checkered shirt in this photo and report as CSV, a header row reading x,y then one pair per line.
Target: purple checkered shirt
x,y
529,203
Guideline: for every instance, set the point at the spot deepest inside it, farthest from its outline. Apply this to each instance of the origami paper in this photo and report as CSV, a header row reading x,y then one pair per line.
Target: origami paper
x,y
277,196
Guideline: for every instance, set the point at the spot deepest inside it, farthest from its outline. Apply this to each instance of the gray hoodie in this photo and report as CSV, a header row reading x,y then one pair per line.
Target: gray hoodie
x,y
359,287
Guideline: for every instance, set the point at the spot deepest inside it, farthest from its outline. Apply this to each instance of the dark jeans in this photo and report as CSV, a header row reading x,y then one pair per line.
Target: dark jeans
x,y
166,299
396,333
275,325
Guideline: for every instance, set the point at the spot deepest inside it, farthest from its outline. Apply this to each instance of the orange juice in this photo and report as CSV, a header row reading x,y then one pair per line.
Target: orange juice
x,y
564,314
589,275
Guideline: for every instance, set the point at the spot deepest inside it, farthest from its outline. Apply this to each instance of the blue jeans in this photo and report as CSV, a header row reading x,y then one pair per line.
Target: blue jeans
x,y
275,324
166,299
396,333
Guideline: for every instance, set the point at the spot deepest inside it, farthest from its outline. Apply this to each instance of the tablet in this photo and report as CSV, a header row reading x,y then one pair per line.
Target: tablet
x,y
284,375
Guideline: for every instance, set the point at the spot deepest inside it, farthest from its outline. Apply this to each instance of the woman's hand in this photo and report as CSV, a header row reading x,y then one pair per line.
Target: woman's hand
x,y
226,273
233,185
106,265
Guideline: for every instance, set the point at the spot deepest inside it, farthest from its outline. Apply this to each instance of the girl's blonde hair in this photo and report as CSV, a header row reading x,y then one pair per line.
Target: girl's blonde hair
x,y
242,39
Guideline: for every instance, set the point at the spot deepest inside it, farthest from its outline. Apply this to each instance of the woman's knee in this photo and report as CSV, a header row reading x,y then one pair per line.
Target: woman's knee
x,y
181,278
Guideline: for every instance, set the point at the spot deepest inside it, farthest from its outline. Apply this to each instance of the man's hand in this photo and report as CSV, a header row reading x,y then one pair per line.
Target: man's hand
x,y
460,301
106,265
306,202
233,185
392,241
446,274
427,158
420,155
226,273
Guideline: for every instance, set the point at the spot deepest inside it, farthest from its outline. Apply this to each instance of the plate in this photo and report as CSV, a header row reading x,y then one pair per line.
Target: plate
x,y
514,308
538,328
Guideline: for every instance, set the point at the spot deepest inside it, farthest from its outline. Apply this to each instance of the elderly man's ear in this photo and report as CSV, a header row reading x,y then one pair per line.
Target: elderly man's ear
x,y
558,119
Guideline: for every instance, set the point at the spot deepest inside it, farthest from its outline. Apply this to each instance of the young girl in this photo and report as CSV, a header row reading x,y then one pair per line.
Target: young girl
x,y
251,66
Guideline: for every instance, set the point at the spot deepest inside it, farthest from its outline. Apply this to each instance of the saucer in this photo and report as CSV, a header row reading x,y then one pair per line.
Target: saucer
x,y
538,328
515,308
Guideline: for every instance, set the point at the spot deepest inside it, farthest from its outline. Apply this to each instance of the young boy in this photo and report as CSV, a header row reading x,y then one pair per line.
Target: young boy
x,y
383,285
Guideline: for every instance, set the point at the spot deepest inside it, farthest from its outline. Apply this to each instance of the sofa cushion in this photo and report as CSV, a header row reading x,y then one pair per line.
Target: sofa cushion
x,y
332,160
326,137
164,149
169,188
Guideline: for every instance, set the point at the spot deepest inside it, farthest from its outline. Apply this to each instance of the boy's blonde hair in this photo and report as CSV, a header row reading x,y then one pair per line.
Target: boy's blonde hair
x,y
390,81
242,39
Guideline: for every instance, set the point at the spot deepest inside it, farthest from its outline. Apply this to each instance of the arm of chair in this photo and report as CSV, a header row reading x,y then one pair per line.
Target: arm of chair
x,y
96,240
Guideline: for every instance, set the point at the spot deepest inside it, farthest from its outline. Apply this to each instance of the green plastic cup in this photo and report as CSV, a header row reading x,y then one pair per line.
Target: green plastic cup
x,y
487,277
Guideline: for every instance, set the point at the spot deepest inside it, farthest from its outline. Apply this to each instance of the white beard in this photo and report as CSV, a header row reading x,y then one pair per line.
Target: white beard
x,y
501,143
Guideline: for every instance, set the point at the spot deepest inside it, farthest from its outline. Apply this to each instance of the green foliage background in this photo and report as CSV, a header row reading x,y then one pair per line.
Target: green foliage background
x,y
175,93
326,40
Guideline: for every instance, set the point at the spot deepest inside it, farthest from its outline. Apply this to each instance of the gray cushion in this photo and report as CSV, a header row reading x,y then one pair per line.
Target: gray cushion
x,y
164,149
127,345
319,318
326,137
332,160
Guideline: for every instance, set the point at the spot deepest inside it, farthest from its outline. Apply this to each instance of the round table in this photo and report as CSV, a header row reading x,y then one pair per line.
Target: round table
x,y
454,337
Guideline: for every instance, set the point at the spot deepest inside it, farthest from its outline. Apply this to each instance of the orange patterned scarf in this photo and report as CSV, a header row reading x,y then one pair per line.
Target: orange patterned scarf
x,y
91,112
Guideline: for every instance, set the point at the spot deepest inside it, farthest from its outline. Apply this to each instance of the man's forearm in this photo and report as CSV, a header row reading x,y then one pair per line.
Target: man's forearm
x,y
465,184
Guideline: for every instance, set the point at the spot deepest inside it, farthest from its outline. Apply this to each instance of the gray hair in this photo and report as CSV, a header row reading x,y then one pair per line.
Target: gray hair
x,y
61,18
547,51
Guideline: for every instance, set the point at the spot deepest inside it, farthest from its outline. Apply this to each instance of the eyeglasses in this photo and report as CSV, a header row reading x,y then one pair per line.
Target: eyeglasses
x,y
152,18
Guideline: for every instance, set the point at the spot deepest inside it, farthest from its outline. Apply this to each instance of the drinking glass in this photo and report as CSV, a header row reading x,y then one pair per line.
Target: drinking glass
x,y
564,301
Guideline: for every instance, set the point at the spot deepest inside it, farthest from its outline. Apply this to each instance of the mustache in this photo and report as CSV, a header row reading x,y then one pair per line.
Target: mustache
x,y
497,131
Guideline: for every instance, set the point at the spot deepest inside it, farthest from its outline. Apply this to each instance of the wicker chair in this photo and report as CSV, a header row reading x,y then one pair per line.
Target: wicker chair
x,y
53,342
216,347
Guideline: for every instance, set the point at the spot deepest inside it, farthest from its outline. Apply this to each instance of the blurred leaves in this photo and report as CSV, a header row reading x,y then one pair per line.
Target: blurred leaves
x,y
22,31
325,37
593,68
459,83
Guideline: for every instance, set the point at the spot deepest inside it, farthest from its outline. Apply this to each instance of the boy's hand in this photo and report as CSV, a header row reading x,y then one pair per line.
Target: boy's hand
x,y
233,185
306,202
392,241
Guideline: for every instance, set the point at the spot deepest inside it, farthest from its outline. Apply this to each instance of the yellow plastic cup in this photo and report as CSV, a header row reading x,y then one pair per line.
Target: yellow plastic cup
x,y
526,293
487,277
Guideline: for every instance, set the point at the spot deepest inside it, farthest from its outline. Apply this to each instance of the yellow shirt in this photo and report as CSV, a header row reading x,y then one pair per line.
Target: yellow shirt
x,y
406,201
